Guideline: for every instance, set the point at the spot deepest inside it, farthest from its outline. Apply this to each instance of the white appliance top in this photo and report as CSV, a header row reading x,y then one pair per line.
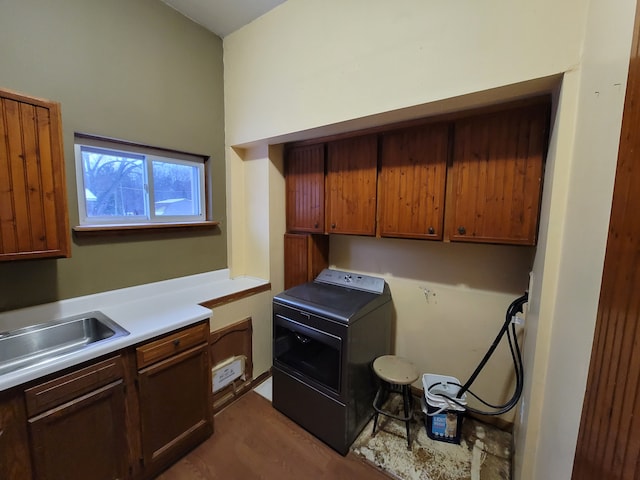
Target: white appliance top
x,y
356,281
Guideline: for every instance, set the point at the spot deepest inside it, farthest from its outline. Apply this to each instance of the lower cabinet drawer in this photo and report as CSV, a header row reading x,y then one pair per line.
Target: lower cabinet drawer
x,y
172,344
67,387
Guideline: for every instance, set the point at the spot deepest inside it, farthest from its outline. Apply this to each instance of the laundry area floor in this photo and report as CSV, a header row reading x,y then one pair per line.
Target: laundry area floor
x,y
484,452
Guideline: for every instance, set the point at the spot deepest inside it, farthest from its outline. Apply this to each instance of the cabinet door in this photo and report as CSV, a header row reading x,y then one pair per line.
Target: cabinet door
x,y
15,461
175,407
33,203
81,439
351,185
305,256
304,177
496,176
413,169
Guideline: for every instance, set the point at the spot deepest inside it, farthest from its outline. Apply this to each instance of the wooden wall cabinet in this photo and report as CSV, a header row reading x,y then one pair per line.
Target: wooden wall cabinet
x,y
411,185
77,425
351,185
305,256
175,396
304,178
495,180
472,177
33,203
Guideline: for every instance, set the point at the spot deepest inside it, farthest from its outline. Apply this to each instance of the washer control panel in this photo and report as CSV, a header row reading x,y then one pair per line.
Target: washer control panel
x,y
351,280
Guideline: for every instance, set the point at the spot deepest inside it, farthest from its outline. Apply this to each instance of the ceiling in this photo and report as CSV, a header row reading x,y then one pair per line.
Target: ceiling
x,y
223,17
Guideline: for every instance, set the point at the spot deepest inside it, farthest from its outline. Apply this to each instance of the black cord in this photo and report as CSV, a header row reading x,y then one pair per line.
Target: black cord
x,y
516,356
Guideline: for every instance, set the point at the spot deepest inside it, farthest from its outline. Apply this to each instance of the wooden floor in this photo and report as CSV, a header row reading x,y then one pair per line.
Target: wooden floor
x,y
252,440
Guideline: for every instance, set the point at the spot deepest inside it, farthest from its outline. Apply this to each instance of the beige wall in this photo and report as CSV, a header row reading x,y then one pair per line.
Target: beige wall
x,y
258,307
592,100
134,70
310,68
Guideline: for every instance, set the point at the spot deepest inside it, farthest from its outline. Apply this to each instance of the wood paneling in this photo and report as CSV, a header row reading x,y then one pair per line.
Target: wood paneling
x,y
305,256
33,203
609,439
496,176
411,186
351,186
304,177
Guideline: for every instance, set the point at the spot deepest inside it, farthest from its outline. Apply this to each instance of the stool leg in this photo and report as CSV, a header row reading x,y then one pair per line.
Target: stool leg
x,y
406,399
376,406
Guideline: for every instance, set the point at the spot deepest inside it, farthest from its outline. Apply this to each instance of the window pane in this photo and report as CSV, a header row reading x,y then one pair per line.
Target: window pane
x,y
113,183
176,189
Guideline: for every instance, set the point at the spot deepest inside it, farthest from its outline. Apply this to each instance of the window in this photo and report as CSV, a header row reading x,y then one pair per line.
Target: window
x,y
126,184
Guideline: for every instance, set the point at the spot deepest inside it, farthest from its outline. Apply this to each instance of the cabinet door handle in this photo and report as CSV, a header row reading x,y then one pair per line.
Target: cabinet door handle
x,y
462,230
333,225
315,225
432,230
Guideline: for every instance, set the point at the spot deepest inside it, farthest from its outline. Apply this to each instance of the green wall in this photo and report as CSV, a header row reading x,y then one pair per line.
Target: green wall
x,y
128,69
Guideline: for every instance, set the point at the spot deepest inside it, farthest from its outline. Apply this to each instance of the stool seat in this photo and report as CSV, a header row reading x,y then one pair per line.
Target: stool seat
x,y
396,375
394,369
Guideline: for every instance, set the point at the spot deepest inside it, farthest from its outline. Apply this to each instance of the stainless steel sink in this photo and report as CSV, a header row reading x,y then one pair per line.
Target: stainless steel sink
x,y
43,343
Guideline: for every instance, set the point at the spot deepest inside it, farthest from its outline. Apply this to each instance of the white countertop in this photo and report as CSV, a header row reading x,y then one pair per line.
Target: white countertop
x,y
146,311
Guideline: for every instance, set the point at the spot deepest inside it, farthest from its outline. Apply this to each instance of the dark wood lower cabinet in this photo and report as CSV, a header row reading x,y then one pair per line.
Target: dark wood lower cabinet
x,y
128,416
15,459
175,407
82,439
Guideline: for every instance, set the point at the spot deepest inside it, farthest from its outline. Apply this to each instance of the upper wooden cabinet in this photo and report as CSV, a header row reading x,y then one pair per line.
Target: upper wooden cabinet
x,y
470,176
496,176
33,204
305,256
413,169
351,185
304,177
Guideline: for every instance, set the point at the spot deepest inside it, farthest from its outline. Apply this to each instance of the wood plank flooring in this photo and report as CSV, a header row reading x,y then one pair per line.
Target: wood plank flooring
x,y
252,440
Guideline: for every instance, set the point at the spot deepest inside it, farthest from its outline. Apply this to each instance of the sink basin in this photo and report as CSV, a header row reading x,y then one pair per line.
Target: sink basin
x,y
43,343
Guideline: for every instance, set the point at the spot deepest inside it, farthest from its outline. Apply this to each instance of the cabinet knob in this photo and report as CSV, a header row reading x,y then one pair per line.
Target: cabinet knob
x,y
462,230
431,230
176,342
333,225
315,225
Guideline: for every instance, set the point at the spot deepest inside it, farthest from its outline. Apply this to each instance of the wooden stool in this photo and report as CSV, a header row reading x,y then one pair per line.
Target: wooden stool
x,y
396,375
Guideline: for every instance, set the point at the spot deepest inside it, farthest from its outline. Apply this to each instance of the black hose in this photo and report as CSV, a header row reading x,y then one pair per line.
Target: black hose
x,y
515,307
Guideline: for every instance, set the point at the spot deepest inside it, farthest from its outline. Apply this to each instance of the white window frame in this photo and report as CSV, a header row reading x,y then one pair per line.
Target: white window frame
x,y
150,155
